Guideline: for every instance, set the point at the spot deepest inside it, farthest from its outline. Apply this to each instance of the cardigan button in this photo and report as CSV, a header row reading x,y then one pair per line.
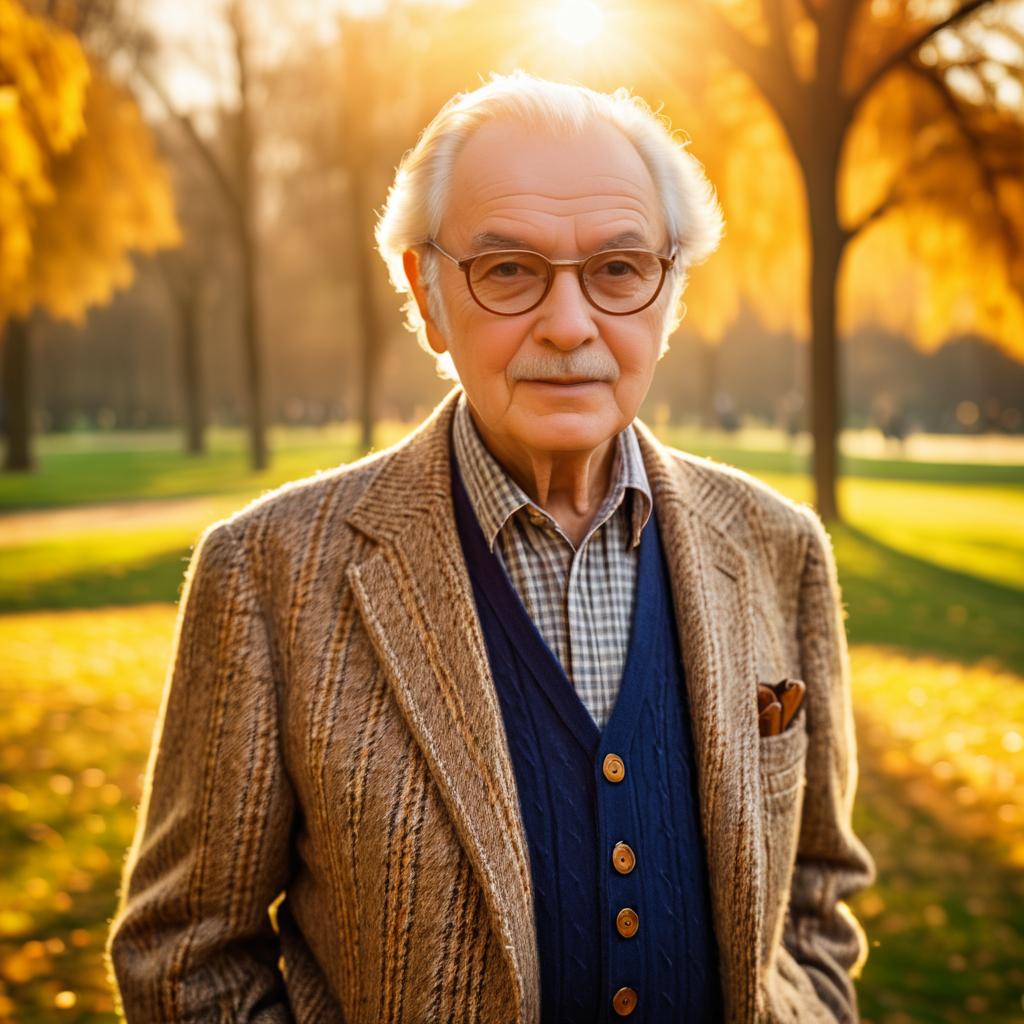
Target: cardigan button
x,y
623,858
614,768
624,1002
627,922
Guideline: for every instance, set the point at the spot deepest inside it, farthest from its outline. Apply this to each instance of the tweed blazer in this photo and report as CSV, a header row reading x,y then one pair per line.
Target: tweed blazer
x,y
330,829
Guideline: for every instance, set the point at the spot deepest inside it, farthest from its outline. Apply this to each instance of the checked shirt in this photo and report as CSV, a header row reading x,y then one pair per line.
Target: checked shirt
x,y
581,600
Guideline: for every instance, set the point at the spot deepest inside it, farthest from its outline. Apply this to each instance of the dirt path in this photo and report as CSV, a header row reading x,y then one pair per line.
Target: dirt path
x,y
26,527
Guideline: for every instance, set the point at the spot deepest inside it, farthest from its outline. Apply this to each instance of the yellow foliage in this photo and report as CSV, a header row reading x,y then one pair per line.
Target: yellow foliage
x,y
963,725
48,72
44,74
112,196
936,262
762,259
80,183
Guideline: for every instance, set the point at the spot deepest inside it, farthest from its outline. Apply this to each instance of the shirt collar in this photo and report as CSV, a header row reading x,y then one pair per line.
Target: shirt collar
x,y
496,497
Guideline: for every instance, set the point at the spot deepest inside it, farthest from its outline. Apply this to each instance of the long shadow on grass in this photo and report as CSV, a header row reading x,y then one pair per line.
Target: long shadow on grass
x,y
158,578
893,598
943,917
896,598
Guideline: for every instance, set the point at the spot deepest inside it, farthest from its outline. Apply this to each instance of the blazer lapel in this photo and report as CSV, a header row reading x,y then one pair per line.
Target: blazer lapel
x,y
713,602
416,600
415,597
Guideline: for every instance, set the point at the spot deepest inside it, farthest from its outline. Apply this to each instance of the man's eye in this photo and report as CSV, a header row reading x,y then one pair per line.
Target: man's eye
x,y
506,269
618,268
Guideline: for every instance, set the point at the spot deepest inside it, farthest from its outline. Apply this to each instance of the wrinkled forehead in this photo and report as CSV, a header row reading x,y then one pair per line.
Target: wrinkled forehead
x,y
552,189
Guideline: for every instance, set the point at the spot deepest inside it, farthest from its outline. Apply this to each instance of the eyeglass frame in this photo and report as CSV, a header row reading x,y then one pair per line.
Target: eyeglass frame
x,y
667,264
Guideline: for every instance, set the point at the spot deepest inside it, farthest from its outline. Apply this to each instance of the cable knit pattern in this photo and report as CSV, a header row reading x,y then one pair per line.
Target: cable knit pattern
x,y
574,816
330,827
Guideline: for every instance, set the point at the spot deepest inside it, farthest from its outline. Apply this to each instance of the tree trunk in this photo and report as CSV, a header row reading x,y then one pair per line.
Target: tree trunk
x,y
17,395
370,333
259,457
359,90
708,384
819,162
249,251
826,249
193,402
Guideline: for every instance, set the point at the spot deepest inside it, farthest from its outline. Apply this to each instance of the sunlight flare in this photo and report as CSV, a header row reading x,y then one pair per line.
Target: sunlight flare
x,y
579,22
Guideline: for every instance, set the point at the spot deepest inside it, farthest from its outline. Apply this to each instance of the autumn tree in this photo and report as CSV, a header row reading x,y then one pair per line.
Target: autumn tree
x,y
902,122
80,187
234,178
193,275
868,153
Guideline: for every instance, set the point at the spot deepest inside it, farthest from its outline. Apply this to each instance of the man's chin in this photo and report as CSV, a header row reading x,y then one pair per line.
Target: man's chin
x,y
568,431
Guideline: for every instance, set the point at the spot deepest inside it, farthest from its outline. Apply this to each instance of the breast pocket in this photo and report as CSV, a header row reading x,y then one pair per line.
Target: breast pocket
x,y
782,764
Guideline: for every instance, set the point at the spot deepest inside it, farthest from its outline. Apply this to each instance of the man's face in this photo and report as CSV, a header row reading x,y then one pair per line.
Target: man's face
x,y
565,198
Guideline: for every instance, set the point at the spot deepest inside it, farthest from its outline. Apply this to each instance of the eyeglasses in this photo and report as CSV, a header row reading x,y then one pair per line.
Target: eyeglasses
x,y
509,282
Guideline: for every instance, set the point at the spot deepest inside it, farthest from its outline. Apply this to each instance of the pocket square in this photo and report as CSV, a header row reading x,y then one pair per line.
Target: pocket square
x,y
777,703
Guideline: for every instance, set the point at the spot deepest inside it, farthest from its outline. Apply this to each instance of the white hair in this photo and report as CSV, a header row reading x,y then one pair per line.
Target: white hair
x,y
417,198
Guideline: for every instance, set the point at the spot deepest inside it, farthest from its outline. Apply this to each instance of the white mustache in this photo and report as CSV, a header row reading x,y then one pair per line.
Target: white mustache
x,y
590,366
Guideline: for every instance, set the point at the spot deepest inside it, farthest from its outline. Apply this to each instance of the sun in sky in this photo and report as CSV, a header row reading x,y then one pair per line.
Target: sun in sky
x,y
579,22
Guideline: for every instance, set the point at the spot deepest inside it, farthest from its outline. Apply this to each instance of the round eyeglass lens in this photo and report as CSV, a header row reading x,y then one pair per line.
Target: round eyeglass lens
x,y
621,282
508,282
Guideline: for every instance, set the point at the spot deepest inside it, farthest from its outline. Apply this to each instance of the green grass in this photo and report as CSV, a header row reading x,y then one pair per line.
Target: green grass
x,y
93,468
791,462
931,563
940,805
75,469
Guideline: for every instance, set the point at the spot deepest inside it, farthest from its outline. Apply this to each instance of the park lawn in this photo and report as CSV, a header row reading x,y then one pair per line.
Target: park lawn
x,y
938,806
95,569
930,568
96,467
903,585
78,469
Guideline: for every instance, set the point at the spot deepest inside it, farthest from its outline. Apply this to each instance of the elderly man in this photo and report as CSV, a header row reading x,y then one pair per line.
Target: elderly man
x,y
469,730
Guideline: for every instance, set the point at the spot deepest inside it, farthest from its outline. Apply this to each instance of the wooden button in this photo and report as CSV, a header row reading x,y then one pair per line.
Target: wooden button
x,y
614,768
623,858
627,922
624,1002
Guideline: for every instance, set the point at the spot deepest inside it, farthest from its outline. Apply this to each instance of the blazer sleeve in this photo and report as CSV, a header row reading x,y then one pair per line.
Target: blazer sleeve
x,y
832,864
192,940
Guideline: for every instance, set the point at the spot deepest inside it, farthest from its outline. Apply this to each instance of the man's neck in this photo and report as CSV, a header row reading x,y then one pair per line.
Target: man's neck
x,y
569,485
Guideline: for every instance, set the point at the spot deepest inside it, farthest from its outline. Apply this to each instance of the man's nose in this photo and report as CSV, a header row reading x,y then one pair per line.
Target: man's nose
x,y
567,318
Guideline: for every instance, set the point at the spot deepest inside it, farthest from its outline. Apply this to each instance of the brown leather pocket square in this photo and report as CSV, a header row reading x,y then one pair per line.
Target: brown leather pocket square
x,y
777,703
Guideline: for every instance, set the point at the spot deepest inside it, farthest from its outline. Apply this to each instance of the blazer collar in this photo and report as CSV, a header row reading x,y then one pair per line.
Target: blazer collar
x,y
415,596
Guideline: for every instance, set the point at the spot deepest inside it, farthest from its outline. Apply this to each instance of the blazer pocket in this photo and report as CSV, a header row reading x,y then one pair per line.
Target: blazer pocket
x,y
782,757
782,765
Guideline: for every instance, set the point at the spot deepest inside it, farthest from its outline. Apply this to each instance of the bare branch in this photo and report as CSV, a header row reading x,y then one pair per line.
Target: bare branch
x,y
891,200
905,52
898,193
201,146
975,146
779,35
811,12
834,31
782,92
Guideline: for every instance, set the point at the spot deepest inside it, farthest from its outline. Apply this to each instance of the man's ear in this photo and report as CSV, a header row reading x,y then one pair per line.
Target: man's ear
x,y
411,266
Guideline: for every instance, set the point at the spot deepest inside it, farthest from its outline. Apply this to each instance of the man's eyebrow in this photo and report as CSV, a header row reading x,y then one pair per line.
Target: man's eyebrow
x,y
489,240
625,239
